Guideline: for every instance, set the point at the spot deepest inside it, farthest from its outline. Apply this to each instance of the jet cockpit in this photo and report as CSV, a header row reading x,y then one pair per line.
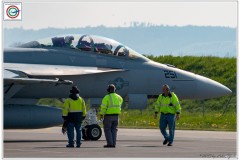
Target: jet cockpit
x,y
91,43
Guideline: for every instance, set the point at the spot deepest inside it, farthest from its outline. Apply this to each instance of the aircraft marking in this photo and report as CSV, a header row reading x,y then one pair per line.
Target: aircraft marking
x,y
119,83
170,74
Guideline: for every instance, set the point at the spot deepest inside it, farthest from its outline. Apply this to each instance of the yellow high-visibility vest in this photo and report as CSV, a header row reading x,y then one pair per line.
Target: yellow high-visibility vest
x,y
111,104
163,104
71,105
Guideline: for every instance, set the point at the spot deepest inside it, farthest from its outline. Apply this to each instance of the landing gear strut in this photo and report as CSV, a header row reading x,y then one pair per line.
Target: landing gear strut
x,y
90,126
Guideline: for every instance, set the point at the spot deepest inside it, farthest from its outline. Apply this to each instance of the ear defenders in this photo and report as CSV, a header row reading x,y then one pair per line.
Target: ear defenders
x,y
111,88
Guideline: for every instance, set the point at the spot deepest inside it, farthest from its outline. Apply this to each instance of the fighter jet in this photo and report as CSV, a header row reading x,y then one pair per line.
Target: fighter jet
x,y
48,68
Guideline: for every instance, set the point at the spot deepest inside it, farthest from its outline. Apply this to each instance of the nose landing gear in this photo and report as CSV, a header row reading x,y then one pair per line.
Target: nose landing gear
x,y
90,126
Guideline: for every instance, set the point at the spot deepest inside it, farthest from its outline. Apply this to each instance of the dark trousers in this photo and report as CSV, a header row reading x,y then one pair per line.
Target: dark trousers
x,y
70,133
167,120
110,129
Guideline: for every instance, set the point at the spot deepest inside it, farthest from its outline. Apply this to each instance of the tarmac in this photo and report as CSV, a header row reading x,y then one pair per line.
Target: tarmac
x,y
132,143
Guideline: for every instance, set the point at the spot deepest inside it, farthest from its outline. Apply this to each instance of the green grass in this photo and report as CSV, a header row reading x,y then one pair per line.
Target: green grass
x,y
215,117
188,121
210,121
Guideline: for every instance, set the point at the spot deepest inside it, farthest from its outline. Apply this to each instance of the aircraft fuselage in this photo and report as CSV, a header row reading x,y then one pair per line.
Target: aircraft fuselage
x,y
139,76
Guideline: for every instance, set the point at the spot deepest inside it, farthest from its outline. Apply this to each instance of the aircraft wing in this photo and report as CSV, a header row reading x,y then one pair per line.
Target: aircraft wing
x,y
54,70
22,79
18,75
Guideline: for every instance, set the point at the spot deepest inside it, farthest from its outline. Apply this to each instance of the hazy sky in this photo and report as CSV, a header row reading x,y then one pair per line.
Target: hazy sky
x,y
38,15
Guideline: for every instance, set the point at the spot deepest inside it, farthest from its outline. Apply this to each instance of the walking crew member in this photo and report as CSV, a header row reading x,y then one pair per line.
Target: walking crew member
x,y
73,112
110,110
169,107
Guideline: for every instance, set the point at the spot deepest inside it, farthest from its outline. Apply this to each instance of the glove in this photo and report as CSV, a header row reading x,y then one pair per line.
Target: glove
x,y
178,116
64,127
64,130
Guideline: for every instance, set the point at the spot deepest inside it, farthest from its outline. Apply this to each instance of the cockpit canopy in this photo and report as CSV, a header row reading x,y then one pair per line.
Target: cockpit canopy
x,y
95,44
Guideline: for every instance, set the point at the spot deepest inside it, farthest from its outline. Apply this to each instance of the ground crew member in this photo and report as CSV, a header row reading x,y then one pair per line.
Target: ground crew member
x,y
74,112
169,107
110,110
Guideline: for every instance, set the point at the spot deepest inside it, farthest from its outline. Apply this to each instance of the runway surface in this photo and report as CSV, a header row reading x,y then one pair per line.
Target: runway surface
x,y
137,143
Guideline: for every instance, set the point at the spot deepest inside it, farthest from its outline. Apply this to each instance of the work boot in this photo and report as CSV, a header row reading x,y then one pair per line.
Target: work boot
x,y
70,146
79,145
108,146
170,143
165,142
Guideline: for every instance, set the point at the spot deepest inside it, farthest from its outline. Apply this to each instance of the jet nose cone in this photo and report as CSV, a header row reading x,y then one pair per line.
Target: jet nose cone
x,y
207,88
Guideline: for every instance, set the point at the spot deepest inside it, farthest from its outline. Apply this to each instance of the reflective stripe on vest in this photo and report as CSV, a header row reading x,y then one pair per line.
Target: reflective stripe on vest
x,y
111,103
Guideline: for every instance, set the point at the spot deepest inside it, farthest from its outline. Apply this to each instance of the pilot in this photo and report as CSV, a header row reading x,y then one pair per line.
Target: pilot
x,y
68,41
110,110
169,107
109,48
73,112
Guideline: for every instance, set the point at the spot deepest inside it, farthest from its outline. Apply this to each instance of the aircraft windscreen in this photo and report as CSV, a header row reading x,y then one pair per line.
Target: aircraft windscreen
x,y
133,54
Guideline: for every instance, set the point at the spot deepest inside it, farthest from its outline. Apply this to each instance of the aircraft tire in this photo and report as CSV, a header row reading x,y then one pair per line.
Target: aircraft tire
x,y
94,132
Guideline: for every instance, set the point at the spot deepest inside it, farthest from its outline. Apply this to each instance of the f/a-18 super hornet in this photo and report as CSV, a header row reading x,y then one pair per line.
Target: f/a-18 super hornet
x,y
47,68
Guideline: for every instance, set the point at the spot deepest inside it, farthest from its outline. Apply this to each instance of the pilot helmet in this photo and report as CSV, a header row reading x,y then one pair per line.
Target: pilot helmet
x,y
68,39
111,88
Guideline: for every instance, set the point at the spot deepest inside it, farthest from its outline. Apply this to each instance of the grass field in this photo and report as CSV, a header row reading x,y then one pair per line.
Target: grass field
x,y
190,119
